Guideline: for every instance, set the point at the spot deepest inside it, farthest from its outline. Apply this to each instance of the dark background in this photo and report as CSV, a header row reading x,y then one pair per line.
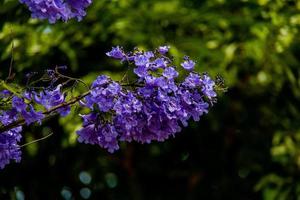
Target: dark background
x,y
247,147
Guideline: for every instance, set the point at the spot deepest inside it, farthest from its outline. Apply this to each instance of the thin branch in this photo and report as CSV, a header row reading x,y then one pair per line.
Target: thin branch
x,y
70,78
37,140
10,74
22,122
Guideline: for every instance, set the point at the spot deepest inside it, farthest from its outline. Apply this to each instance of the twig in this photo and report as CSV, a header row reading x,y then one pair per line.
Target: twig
x,y
37,140
22,122
70,78
10,75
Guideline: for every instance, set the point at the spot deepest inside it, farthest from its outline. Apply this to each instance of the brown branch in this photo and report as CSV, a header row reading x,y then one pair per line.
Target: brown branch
x,y
22,122
70,78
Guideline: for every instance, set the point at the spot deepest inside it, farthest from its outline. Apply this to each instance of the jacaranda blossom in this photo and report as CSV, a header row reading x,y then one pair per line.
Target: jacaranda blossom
x,y
54,10
9,148
22,108
154,106
155,110
50,98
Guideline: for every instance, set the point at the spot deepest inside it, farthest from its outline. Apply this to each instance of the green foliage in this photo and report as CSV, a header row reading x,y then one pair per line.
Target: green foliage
x,y
247,148
286,153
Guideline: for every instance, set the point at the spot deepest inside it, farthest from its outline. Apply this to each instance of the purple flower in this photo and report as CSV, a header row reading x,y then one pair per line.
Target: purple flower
x,y
141,71
89,118
116,53
5,93
159,63
149,54
163,49
64,111
32,116
9,148
155,81
141,60
54,10
200,109
170,73
107,137
112,89
78,7
18,104
104,136
193,80
127,104
28,95
100,81
8,116
88,134
51,98
103,96
188,64
208,87
146,91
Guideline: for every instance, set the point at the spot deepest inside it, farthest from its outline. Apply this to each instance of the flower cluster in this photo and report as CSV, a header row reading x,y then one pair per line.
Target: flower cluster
x,y
9,148
152,108
20,109
54,10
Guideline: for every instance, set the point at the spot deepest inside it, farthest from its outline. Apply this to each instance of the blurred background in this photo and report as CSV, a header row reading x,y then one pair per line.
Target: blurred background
x,y
247,147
